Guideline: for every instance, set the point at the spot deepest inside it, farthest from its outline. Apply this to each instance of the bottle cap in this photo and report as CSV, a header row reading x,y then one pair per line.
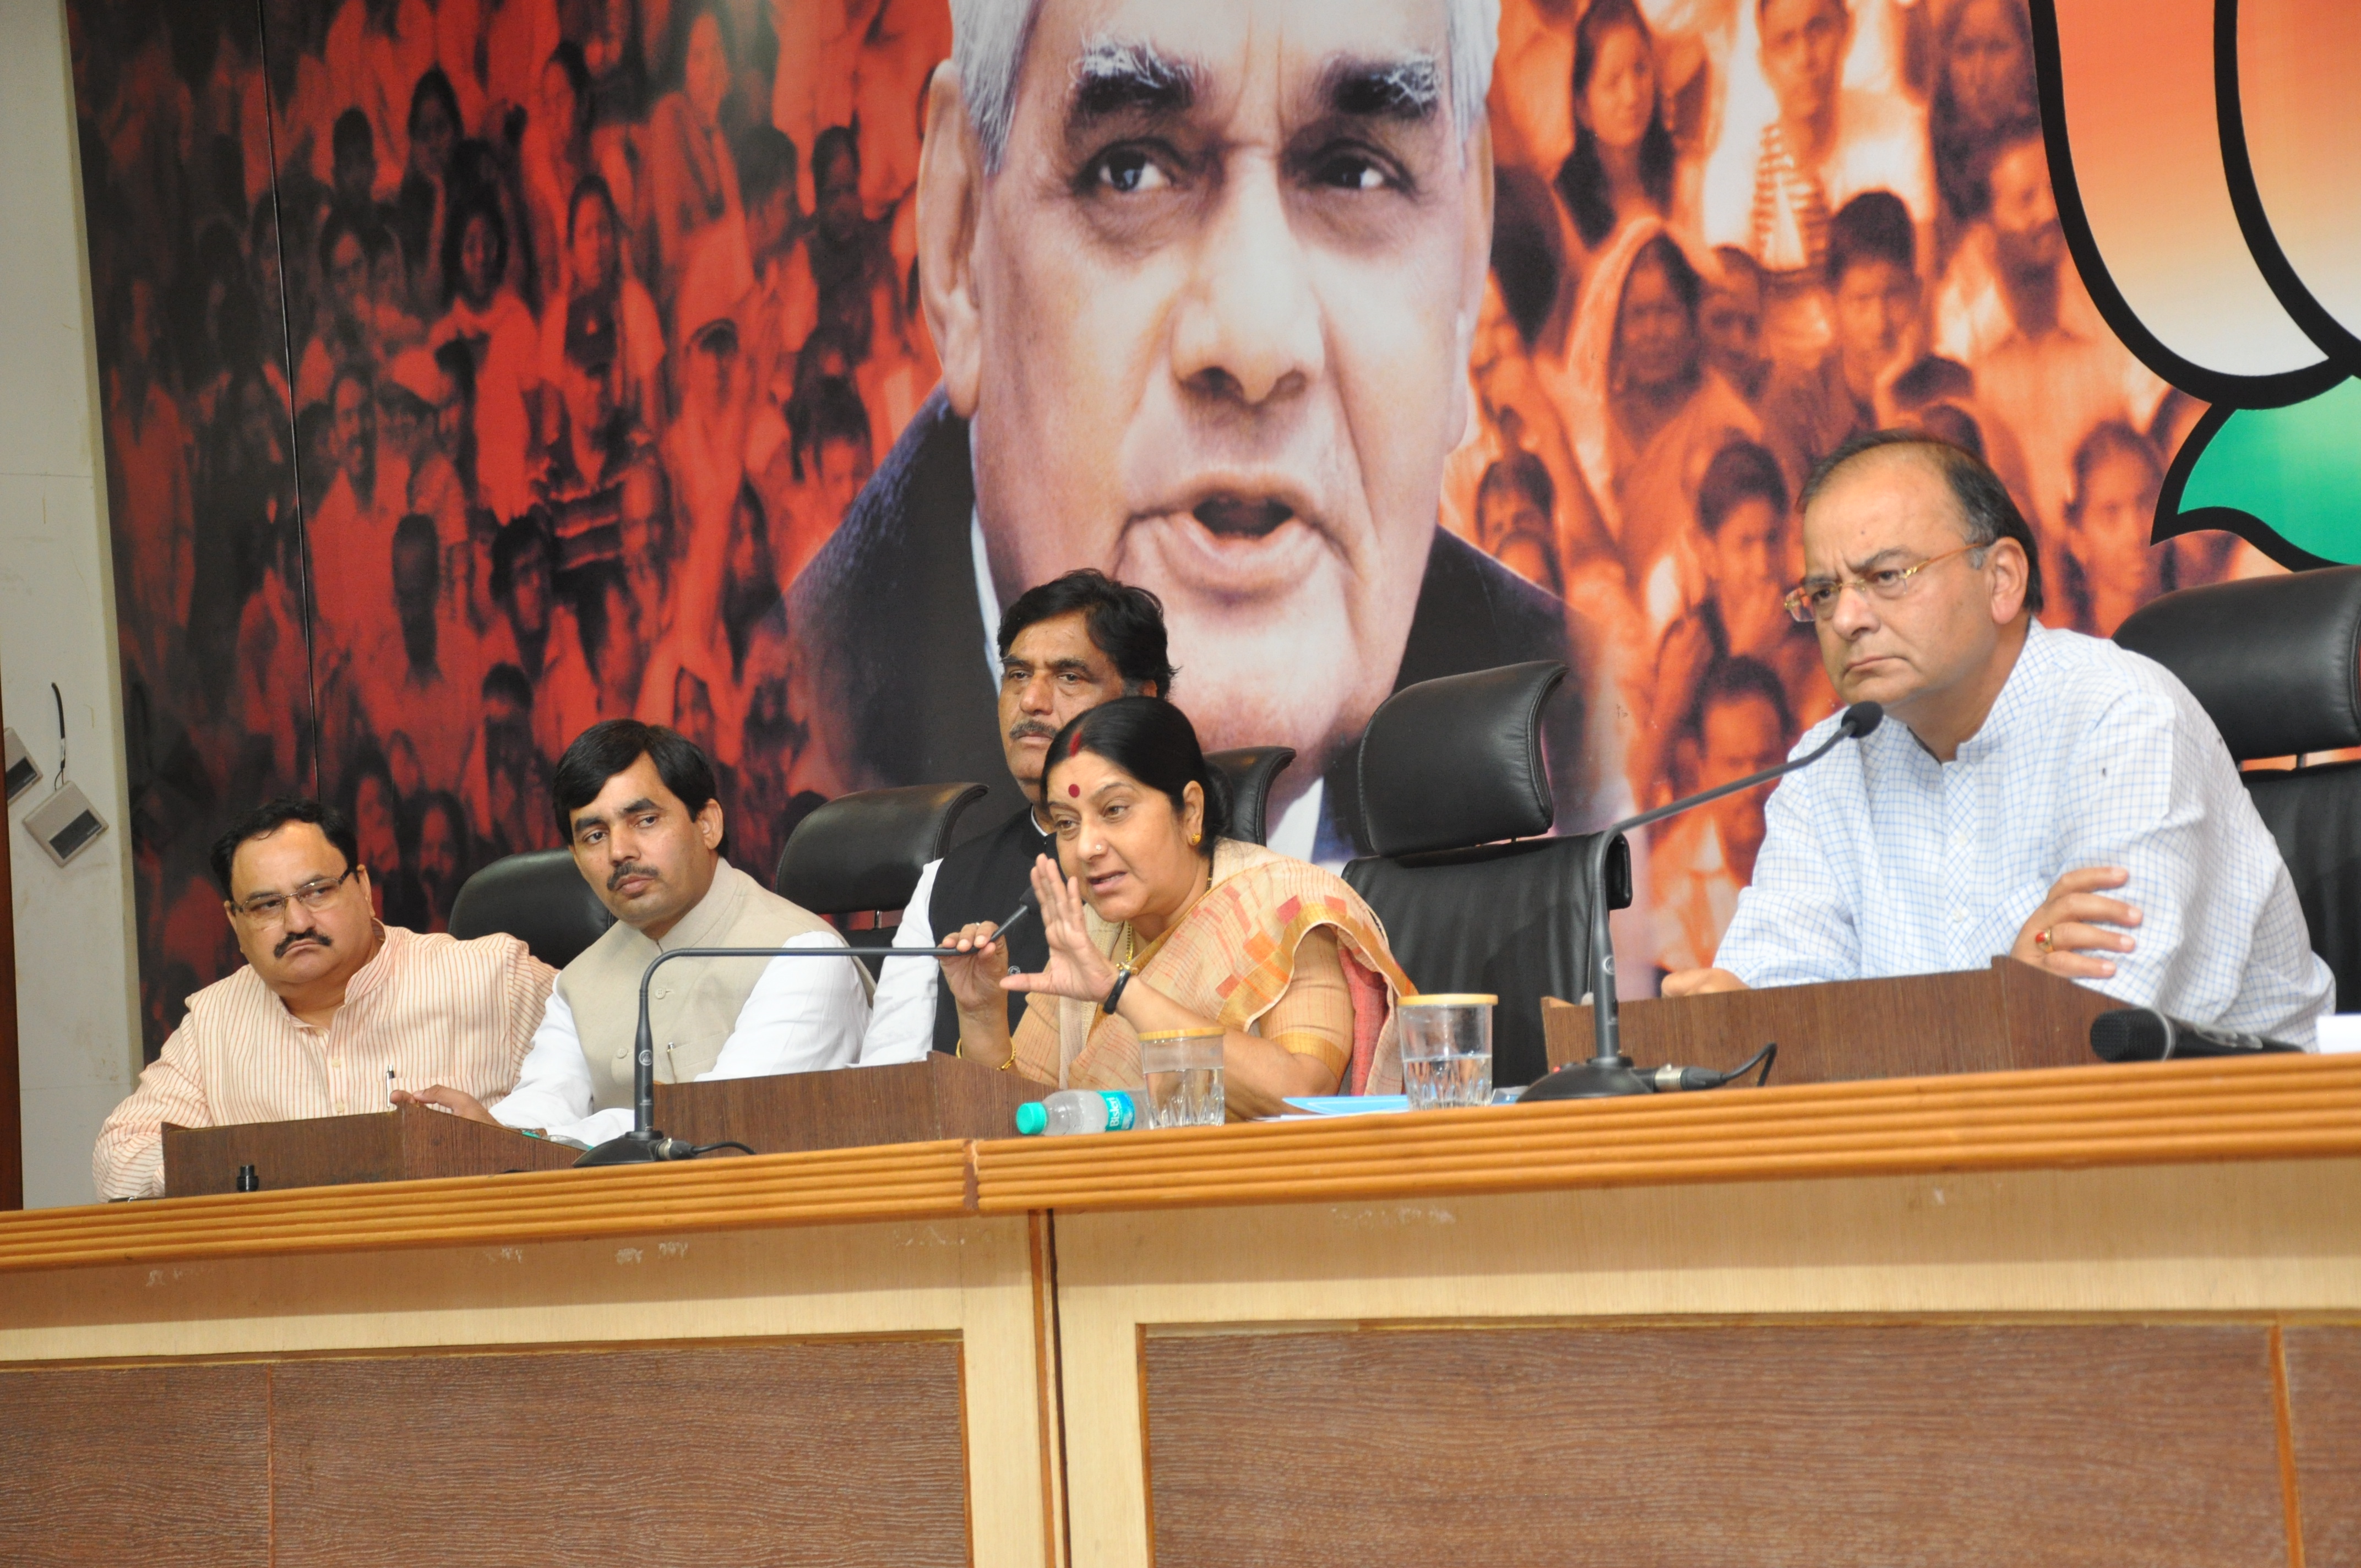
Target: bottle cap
x,y
1032,1118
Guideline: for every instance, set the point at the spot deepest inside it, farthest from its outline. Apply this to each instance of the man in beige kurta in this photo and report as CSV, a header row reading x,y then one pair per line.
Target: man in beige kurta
x,y
636,801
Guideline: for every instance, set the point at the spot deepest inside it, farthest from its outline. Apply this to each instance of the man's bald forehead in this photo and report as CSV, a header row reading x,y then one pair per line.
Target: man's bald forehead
x,y
1926,457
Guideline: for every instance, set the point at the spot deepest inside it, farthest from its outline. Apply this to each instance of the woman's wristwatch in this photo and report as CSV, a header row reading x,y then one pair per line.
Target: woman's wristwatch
x,y
1115,992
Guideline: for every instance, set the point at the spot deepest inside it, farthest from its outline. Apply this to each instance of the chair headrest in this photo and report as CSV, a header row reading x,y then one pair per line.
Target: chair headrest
x,y
1251,770
2275,662
538,897
866,851
1457,761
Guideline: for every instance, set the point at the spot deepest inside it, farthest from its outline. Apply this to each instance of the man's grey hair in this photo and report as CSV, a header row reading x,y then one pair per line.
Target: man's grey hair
x,y
989,40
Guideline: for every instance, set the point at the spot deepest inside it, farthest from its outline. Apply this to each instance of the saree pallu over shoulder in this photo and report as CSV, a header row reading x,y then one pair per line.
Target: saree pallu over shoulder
x,y
1231,958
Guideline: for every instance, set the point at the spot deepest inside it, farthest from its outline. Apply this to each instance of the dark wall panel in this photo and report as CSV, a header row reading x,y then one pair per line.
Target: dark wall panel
x,y
800,1454
1746,1444
154,1466
2323,1370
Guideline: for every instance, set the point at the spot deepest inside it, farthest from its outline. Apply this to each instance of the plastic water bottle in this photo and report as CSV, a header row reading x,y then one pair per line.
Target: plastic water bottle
x,y
1078,1111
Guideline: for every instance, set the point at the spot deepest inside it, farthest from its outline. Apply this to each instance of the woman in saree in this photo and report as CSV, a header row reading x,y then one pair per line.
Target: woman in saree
x,y
1156,921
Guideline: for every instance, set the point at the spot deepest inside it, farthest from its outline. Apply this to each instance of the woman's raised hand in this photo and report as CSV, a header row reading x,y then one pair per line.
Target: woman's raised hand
x,y
1075,969
976,978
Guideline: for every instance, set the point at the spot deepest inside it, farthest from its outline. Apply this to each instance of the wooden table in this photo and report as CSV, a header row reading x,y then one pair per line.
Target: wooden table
x,y
2074,1315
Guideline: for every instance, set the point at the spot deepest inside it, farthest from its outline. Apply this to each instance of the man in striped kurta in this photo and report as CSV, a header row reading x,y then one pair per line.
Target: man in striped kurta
x,y
333,1011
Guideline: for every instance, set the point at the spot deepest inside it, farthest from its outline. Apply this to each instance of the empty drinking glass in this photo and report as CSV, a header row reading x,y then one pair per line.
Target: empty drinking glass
x,y
1183,1069
1446,1047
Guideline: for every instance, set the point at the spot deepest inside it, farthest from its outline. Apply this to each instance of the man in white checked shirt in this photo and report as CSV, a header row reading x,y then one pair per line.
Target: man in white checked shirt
x,y
333,1014
2025,776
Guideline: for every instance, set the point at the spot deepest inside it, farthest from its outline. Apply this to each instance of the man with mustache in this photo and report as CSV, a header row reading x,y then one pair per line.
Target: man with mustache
x,y
333,1011
1065,647
637,805
1203,280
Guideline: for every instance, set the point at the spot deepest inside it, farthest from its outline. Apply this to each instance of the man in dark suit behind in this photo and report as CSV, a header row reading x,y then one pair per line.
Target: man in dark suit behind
x,y
1202,293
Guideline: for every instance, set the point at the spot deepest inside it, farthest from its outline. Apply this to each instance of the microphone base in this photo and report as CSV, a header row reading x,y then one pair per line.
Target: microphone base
x,y
1601,1077
631,1148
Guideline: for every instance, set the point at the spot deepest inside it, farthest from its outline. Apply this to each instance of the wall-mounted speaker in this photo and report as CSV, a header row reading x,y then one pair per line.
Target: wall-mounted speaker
x,y
65,823
15,767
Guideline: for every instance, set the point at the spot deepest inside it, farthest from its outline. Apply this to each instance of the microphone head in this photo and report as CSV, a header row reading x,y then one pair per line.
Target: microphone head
x,y
1861,719
2130,1033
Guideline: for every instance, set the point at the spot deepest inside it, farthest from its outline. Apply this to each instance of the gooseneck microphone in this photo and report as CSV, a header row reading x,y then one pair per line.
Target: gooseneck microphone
x,y
2143,1034
1609,1072
643,1145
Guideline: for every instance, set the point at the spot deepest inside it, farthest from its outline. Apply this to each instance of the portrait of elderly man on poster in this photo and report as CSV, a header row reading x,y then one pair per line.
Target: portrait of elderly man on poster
x,y
1203,277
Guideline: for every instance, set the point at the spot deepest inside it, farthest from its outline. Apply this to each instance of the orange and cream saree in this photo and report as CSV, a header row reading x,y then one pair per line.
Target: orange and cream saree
x,y
1275,947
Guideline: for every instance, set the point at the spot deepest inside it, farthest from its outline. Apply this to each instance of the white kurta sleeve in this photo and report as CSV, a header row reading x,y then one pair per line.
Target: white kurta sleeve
x,y
902,1023
803,1015
553,1091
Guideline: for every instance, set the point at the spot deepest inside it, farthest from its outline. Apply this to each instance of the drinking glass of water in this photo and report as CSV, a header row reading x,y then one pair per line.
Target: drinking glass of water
x,y
1183,1069
1447,1047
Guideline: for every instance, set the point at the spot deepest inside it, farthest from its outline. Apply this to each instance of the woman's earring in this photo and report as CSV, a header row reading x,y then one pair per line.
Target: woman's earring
x,y
1195,839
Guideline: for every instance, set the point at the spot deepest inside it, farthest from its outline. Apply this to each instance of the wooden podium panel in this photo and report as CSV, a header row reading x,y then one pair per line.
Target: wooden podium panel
x,y
941,1098
829,1451
1718,1441
2323,1377
145,1464
410,1143
2009,1016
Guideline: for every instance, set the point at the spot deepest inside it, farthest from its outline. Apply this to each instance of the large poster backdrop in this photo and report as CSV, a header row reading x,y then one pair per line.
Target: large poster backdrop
x,y
477,369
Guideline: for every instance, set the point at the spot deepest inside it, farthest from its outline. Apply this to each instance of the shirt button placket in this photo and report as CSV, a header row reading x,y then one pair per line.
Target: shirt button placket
x,y
1959,872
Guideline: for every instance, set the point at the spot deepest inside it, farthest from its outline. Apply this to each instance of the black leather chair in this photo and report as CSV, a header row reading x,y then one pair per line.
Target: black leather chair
x,y
2276,663
1251,770
862,853
538,897
1456,796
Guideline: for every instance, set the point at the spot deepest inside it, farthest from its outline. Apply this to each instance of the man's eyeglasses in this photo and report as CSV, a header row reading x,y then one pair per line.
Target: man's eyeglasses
x,y
1816,600
268,908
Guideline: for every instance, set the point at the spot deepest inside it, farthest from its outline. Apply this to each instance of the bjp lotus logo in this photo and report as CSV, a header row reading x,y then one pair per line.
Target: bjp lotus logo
x,y
2208,180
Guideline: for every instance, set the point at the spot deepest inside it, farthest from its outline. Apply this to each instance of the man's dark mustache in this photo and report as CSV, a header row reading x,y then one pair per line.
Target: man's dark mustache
x,y
1027,729
628,869
289,940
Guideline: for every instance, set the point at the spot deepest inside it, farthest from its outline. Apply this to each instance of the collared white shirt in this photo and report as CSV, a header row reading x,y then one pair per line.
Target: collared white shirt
x,y
800,1017
1880,860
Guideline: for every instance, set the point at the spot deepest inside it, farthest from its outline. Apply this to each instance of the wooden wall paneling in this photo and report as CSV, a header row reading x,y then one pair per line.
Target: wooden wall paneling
x,y
827,1452
2324,1376
157,1466
2127,1245
1773,1446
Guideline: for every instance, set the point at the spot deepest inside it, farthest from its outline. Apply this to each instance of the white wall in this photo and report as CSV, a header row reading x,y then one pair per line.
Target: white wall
x,y
76,994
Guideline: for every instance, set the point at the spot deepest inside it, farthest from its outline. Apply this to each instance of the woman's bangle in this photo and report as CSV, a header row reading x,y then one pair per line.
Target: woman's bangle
x,y
1115,992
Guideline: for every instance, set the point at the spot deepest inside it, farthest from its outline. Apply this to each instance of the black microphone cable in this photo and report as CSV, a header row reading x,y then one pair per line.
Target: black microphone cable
x,y
1671,1080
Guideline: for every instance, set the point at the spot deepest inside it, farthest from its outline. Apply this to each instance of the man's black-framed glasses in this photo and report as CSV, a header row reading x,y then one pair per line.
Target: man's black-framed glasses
x,y
267,908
